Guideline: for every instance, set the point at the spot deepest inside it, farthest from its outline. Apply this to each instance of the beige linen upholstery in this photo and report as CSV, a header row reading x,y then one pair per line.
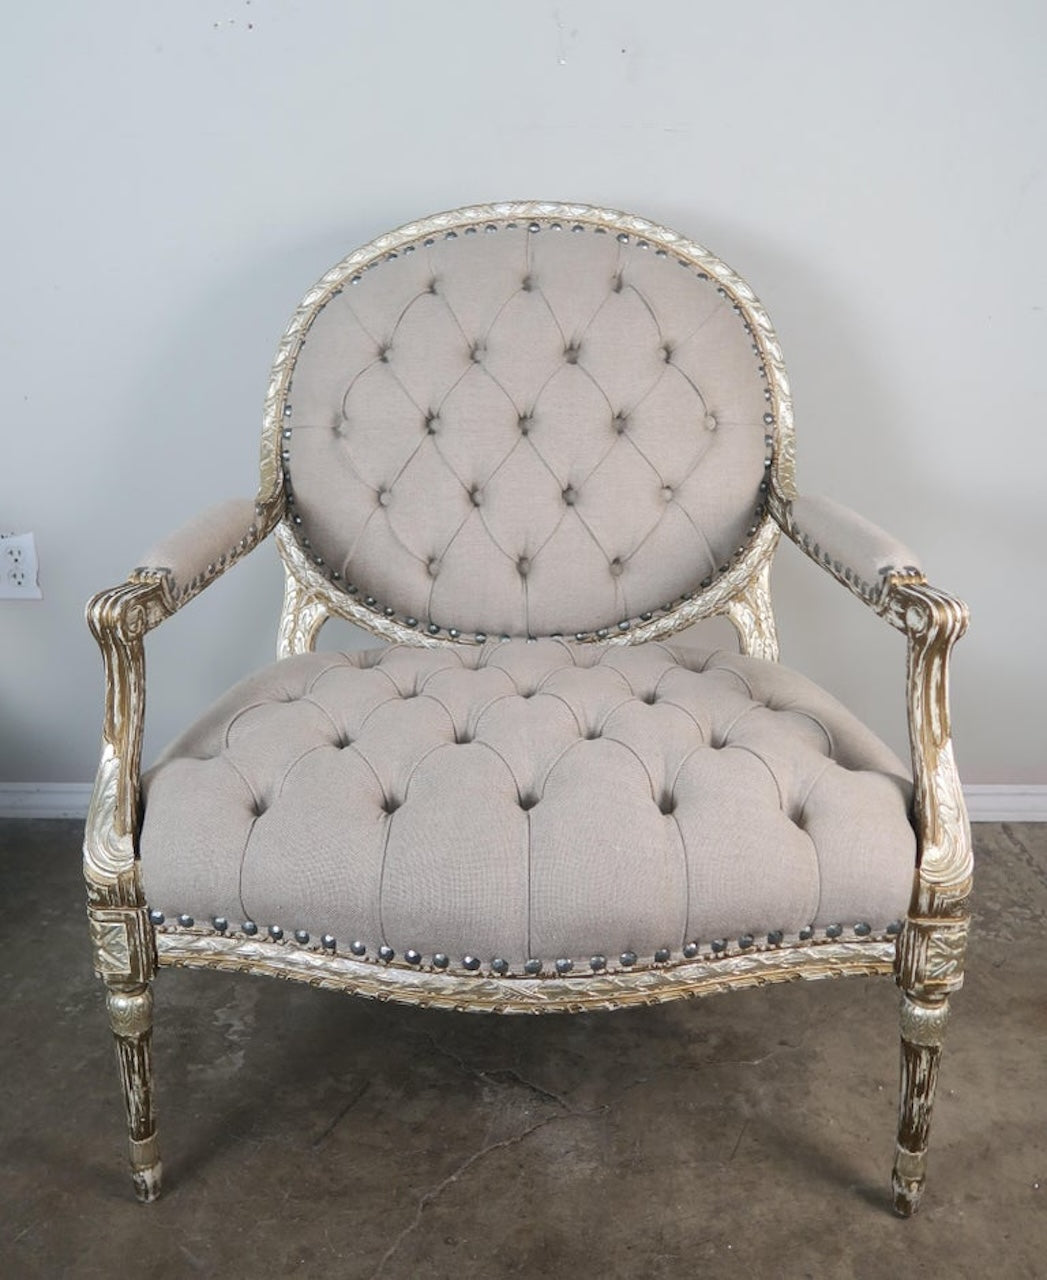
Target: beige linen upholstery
x,y
205,545
527,432
854,548
527,443
530,800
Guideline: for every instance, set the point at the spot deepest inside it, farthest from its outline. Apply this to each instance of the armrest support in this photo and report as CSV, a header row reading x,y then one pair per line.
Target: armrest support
x,y
854,550
887,576
930,957
176,570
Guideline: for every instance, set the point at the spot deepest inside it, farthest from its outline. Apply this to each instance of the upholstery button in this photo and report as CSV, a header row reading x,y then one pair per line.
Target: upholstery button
x,y
383,354
621,421
528,801
523,566
477,353
432,422
433,285
667,492
571,353
527,284
476,495
616,284
525,422
616,567
570,495
710,422
433,568
384,497
667,353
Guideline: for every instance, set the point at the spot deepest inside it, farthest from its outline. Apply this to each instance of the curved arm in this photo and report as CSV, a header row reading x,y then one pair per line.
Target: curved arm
x,y
120,618
933,621
854,550
886,575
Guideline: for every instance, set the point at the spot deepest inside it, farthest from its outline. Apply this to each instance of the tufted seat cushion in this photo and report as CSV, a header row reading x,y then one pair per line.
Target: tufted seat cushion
x,y
524,801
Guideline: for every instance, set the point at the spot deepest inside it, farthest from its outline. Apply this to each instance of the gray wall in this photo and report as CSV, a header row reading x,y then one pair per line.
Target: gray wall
x,y
183,171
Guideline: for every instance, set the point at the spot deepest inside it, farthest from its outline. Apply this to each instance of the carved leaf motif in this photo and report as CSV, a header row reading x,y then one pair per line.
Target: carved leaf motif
x,y
524,995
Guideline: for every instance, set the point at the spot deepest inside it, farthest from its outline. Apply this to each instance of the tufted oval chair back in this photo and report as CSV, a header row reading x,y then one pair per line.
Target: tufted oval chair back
x,y
528,420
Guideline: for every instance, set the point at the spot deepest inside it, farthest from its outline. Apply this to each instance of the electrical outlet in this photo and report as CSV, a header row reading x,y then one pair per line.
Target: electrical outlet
x,y
18,567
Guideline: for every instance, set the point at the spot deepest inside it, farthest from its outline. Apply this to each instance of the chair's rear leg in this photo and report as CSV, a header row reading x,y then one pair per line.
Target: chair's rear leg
x,y
131,1018
923,1028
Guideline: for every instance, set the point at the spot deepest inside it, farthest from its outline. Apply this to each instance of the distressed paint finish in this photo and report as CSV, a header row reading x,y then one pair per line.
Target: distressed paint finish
x,y
933,943
928,959
401,984
131,1019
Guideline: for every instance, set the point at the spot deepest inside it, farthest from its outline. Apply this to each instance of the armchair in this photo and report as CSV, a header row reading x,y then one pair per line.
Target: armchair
x,y
525,444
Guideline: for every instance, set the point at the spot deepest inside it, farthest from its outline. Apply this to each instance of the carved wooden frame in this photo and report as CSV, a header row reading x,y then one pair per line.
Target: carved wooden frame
x,y
927,960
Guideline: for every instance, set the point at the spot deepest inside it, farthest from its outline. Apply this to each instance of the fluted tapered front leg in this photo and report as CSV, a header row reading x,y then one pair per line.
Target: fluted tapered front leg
x,y
131,1018
923,1028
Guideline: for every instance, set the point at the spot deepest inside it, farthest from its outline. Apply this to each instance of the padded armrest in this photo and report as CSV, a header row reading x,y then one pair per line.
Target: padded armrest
x,y
852,548
204,547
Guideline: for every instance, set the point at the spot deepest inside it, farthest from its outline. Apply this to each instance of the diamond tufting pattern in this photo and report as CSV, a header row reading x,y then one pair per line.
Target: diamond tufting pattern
x,y
529,800
526,429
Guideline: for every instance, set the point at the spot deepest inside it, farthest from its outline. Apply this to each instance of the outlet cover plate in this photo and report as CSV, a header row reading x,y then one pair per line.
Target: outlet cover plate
x,y
19,567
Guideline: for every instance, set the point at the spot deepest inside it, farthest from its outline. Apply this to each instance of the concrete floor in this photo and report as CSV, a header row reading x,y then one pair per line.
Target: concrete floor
x,y
311,1134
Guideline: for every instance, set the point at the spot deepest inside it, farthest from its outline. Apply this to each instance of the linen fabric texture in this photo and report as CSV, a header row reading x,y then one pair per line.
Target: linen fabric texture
x,y
529,799
526,434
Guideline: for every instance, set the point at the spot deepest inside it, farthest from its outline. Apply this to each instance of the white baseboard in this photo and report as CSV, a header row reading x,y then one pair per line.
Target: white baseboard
x,y
44,799
990,802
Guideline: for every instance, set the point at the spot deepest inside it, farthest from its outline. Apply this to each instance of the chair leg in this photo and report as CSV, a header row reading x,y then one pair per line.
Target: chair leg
x,y
923,1028
131,1018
